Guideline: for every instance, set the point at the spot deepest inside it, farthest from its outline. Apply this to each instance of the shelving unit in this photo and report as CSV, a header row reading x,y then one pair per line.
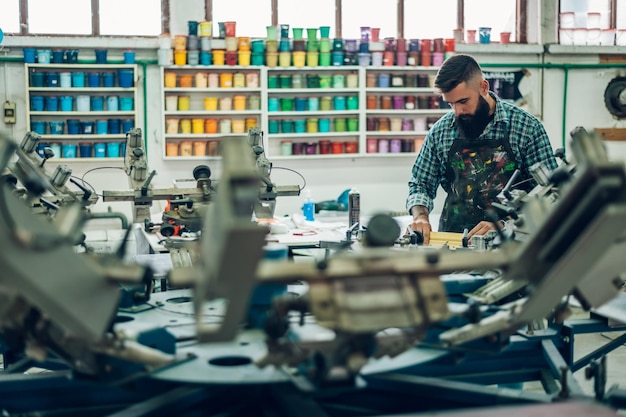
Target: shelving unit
x,y
304,111
202,105
82,111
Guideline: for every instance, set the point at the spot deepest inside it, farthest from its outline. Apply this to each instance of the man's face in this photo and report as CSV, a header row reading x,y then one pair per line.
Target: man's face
x,y
471,109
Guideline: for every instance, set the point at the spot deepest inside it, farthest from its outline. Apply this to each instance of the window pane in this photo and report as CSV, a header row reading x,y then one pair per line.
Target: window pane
x,y
499,15
115,22
10,16
580,8
429,19
252,16
307,14
72,17
357,13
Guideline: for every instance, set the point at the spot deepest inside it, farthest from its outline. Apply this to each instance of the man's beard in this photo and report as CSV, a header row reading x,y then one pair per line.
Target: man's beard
x,y
473,125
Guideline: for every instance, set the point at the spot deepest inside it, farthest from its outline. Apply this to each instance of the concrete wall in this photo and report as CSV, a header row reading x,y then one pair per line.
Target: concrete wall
x,y
381,181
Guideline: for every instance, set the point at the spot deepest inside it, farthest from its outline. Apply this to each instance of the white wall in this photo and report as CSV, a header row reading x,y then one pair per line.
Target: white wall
x,y
381,181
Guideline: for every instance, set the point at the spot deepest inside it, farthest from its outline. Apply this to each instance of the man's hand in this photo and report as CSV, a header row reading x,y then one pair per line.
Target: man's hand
x,y
481,229
422,225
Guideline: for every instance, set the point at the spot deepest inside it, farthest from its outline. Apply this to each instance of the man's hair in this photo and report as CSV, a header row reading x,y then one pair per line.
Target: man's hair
x,y
455,70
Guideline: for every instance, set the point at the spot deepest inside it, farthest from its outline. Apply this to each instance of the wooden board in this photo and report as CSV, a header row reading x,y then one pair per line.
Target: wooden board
x,y
611,134
452,239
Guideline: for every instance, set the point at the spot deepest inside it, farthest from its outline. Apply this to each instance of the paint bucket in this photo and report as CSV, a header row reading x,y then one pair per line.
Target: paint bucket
x,y
57,56
353,124
113,149
87,127
250,123
339,124
311,125
171,125
66,103
285,81
219,56
205,28
93,79
313,103
284,59
108,79
199,148
312,58
244,58
271,59
52,79
201,79
325,59
115,127
180,42
102,127
37,103
299,59
69,150
65,80
300,103
238,126
352,102
210,103
186,148
99,150
271,32
239,80
56,127
73,126
83,103
206,58
183,103
38,127
286,126
286,104
101,56
197,126
226,103
299,126
364,59
210,126
97,103
225,126
239,102
85,149
29,55
112,103
339,103
323,125
325,103
226,80
127,125
37,79
78,79
185,81
125,78
273,126
43,56
126,103
193,57
171,149
273,104
129,57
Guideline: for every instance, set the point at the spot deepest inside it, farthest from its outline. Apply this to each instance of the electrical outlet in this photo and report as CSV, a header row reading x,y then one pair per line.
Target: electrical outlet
x,y
9,113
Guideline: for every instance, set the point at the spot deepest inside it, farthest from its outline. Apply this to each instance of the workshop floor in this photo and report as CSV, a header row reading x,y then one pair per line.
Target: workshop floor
x,y
586,343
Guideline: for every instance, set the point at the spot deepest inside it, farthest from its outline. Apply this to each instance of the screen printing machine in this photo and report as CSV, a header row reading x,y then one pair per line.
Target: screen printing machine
x,y
379,326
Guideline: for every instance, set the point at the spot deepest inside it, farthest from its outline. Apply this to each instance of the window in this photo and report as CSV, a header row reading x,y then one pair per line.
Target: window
x,y
429,20
498,15
10,16
251,24
357,13
307,14
72,17
120,17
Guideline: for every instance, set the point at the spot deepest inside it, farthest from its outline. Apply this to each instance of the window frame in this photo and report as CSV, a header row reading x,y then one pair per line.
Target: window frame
x,y
521,22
